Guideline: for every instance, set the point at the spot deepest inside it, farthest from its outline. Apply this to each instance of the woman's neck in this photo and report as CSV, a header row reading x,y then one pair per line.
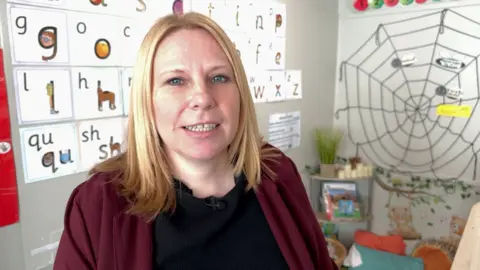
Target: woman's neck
x,y
206,178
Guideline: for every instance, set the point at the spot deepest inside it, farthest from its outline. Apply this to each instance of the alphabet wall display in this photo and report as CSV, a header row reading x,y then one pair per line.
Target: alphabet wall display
x,y
262,19
214,9
107,7
280,11
72,62
41,2
132,36
100,140
49,151
240,40
128,40
179,5
257,53
276,54
98,6
91,45
130,8
43,95
127,74
275,86
258,82
265,18
237,16
293,81
156,9
38,36
96,93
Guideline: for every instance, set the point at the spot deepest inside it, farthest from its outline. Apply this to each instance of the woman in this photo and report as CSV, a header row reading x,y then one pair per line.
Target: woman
x,y
196,187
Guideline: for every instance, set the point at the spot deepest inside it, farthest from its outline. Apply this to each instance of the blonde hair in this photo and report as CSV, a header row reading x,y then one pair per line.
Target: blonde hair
x,y
144,174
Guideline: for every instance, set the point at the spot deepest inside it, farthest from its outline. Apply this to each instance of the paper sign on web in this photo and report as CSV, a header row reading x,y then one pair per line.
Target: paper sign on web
x,y
452,110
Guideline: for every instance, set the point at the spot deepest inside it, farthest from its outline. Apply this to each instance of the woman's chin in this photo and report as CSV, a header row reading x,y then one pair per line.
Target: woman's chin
x,y
206,152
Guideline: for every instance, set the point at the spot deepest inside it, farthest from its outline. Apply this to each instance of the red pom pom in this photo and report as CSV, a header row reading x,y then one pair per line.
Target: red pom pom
x,y
360,5
391,3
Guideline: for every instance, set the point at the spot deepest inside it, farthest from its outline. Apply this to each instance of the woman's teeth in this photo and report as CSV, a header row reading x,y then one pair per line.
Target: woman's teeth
x,y
201,128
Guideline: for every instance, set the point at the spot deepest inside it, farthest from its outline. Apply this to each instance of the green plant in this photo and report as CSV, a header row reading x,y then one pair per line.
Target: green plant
x,y
327,142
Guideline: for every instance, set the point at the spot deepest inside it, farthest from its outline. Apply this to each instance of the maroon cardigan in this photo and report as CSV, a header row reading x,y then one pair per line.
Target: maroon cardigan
x,y
99,235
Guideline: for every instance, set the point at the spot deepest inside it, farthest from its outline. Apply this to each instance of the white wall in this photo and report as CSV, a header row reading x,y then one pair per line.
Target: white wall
x,y
452,155
369,124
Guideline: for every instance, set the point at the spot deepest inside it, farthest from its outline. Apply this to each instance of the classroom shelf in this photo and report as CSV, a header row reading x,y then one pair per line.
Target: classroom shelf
x,y
347,227
323,178
322,217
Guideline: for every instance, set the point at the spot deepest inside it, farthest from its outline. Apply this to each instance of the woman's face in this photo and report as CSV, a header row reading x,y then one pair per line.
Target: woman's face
x,y
196,100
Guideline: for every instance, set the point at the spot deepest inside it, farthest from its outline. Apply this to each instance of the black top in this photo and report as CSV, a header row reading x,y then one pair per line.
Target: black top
x,y
227,233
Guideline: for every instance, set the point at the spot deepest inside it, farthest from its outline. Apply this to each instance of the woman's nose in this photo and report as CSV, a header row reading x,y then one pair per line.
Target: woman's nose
x,y
201,97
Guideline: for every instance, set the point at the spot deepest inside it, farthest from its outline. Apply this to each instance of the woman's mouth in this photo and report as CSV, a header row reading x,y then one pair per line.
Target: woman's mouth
x,y
201,127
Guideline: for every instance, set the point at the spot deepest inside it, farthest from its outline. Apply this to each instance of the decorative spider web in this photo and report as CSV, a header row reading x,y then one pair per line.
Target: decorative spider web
x,y
390,107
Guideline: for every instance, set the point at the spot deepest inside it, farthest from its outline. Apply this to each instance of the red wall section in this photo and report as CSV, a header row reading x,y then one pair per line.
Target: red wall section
x,y
8,182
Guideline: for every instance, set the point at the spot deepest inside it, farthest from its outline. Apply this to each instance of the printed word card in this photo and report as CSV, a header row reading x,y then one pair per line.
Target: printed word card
x,y
284,130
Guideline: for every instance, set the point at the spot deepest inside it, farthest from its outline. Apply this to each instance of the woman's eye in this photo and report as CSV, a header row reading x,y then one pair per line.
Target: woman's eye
x,y
175,81
219,79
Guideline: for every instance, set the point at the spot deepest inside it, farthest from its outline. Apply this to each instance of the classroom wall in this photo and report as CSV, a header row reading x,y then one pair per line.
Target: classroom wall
x,y
437,208
311,47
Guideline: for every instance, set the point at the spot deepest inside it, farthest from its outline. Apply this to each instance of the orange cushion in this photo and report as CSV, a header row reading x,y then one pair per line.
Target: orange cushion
x,y
388,243
433,258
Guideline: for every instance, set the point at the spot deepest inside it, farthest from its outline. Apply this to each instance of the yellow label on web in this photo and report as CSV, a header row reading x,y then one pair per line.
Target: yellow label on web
x,y
453,110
